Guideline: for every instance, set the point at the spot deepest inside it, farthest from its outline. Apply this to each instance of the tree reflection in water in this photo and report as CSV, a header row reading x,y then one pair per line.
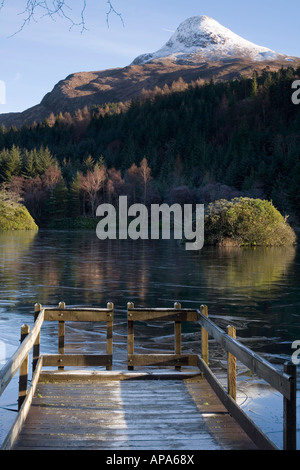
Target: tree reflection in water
x,y
257,288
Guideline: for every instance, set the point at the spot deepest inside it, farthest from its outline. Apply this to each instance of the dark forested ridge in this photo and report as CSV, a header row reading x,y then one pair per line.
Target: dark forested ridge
x,y
182,143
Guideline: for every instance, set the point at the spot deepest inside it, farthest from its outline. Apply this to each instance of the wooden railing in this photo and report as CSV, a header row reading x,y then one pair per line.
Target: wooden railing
x,y
176,314
284,382
79,314
30,340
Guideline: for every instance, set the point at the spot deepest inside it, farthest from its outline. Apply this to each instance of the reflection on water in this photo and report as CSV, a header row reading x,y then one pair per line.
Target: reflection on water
x,y
15,244
257,290
252,270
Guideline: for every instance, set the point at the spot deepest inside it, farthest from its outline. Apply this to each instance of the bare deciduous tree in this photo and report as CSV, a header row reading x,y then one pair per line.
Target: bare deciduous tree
x,y
138,179
92,183
51,178
34,10
145,175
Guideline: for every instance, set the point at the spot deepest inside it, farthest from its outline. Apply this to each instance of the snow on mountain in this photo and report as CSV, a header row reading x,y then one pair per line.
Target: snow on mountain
x,y
201,38
200,49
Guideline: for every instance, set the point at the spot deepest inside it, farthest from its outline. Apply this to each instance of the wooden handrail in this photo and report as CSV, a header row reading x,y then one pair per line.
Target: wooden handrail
x,y
284,382
31,340
11,367
278,380
176,315
23,411
80,314
53,313
252,430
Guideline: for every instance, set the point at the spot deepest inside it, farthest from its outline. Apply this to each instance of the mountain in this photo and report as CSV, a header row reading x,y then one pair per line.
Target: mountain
x,y
201,48
202,38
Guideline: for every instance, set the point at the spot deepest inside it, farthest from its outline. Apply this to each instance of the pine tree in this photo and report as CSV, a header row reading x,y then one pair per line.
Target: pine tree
x,y
254,85
57,205
29,164
88,164
10,164
74,196
44,160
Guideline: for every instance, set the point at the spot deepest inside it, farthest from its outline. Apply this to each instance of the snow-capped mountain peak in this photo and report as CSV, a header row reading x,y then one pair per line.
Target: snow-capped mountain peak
x,y
202,37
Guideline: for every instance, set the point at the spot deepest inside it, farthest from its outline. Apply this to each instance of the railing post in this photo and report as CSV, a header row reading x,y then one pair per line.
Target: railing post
x,y
61,333
177,331
36,346
109,334
289,410
130,333
231,361
23,377
204,336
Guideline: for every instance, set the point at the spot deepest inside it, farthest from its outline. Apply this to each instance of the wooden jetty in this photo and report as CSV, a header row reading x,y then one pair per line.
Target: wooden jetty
x,y
158,402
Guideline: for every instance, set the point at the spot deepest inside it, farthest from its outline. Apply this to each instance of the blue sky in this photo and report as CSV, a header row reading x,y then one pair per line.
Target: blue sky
x,y
46,51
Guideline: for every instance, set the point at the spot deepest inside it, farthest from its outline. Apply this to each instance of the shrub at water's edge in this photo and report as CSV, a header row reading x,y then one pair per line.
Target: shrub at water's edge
x,y
246,222
13,215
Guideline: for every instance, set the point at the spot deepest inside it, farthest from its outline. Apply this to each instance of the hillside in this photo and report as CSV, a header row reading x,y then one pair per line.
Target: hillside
x,y
200,50
196,144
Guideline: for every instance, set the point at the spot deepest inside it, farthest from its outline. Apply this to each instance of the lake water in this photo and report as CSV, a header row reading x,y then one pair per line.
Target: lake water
x,y
256,290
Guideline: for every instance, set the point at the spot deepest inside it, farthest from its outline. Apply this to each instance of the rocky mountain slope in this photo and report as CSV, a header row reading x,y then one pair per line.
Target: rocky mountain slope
x,y
200,48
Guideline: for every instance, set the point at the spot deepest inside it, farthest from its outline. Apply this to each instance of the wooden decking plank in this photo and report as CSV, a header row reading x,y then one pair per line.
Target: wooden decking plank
x,y
129,414
124,445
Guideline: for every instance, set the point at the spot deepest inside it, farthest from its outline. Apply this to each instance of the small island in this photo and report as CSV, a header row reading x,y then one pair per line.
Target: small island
x,y
245,221
14,215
